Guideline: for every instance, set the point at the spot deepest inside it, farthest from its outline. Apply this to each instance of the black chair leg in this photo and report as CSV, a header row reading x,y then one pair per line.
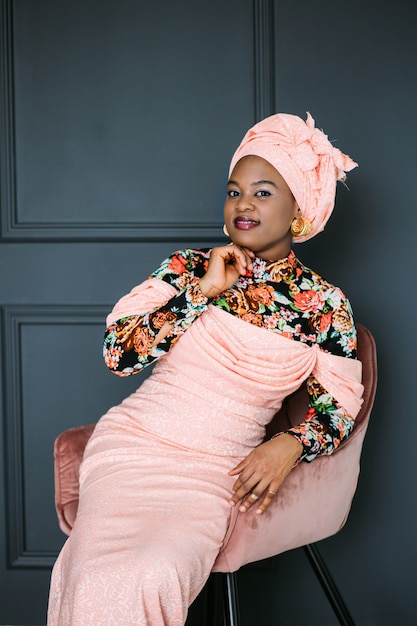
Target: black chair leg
x,y
328,585
230,592
230,599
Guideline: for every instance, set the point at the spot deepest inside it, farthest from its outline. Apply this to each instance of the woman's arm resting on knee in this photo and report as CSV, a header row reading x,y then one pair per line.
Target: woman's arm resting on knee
x,y
263,471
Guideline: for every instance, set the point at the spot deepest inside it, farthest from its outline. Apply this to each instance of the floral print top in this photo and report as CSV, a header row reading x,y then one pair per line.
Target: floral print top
x,y
281,296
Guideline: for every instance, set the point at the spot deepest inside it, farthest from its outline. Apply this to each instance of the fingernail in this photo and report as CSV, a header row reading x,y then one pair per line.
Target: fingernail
x,y
259,511
231,503
242,508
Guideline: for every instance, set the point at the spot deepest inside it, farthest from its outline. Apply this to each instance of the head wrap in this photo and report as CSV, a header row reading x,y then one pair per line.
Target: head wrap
x,y
305,158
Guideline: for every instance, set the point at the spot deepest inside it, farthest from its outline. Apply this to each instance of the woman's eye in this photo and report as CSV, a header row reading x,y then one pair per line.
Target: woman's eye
x,y
232,193
263,193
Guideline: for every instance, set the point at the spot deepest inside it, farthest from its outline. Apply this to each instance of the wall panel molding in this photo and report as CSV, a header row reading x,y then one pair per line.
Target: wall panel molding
x,y
14,228
15,319
263,37
7,127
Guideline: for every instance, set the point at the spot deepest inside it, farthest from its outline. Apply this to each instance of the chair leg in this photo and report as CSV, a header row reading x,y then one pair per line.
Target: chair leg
x,y
230,599
328,585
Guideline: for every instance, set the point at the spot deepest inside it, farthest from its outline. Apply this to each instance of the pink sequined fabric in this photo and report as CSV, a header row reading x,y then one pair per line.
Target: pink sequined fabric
x,y
154,486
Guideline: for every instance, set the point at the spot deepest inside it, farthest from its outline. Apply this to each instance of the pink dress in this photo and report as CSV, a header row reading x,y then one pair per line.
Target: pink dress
x,y
154,488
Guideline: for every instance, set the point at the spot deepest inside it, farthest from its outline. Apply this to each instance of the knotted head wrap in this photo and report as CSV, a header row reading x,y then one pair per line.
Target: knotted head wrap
x,y
305,158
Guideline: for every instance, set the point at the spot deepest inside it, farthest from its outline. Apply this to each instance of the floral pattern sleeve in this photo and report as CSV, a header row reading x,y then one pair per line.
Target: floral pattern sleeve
x,y
130,343
327,423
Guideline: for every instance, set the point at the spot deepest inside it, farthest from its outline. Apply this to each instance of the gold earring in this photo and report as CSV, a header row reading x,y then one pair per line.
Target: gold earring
x,y
300,227
225,230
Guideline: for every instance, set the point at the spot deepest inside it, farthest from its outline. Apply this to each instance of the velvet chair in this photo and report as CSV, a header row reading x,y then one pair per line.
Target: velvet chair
x,y
313,503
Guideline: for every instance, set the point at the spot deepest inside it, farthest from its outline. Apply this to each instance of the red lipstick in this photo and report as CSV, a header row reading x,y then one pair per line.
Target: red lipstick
x,y
244,223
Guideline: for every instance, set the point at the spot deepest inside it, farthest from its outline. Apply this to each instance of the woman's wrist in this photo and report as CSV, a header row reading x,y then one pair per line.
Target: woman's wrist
x,y
206,290
293,445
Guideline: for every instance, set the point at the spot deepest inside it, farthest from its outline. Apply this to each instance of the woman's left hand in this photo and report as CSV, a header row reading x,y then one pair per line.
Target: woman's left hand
x,y
263,471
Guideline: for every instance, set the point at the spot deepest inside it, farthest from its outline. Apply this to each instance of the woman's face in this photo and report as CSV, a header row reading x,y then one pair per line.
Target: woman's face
x,y
259,208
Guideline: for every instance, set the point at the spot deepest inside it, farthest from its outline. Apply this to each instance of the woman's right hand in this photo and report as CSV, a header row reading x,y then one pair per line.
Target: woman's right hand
x,y
225,265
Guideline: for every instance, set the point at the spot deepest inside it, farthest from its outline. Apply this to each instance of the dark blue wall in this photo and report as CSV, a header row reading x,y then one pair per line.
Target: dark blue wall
x,y
117,123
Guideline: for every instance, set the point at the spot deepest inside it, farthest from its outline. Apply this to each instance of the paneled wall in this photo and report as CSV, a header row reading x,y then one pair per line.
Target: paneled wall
x,y
117,124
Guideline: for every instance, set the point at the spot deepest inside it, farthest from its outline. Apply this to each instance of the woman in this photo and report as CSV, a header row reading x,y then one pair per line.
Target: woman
x,y
234,329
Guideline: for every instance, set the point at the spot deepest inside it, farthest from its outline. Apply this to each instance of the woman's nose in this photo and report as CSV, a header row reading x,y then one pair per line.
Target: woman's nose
x,y
244,203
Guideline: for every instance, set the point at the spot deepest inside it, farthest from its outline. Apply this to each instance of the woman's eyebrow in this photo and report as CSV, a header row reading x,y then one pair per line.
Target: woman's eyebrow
x,y
264,182
257,182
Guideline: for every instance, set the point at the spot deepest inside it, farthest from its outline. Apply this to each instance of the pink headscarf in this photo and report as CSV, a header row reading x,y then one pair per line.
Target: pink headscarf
x,y
304,157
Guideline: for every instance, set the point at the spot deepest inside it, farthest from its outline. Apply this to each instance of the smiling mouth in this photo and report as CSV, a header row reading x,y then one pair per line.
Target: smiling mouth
x,y
245,223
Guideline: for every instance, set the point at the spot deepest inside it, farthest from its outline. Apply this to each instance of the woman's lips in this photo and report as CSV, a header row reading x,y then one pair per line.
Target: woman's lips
x,y
245,223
